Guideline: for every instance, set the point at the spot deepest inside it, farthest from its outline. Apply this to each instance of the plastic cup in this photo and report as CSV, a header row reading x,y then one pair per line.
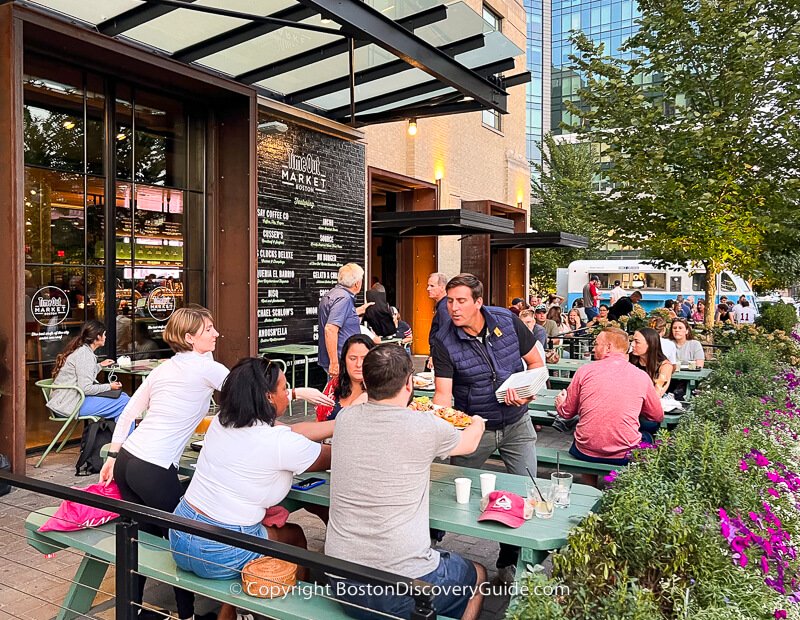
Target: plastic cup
x,y
487,484
692,365
561,483
463,486
204,424
544,506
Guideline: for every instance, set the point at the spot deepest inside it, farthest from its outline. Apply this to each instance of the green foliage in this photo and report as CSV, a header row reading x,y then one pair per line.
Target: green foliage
x,y
781,317
560,193
782,345
655,550
703,159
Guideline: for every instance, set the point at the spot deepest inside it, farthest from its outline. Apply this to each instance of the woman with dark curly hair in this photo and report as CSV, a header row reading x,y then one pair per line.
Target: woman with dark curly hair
x,y
348,387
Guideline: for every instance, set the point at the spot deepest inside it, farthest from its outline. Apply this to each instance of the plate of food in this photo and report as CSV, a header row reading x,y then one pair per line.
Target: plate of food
x,y
457,418
423,380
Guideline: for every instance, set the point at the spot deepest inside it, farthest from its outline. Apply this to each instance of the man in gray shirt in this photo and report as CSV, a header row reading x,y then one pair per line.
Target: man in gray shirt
x,y
380,481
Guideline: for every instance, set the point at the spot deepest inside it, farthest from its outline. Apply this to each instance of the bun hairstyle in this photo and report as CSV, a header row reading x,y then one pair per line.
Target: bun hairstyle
x,y
243,398
88,334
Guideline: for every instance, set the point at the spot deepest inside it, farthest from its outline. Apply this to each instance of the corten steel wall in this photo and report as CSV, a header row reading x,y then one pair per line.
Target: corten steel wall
x,y
310,220
12,281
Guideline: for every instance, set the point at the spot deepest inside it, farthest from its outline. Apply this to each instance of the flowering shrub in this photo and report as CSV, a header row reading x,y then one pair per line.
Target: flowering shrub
x,y
705,522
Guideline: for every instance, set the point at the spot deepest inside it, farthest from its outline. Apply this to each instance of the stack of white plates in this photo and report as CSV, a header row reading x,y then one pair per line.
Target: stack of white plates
x,y
526,384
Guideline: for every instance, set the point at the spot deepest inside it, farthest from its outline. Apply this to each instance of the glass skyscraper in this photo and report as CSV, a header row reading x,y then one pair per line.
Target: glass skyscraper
x,y
608,21
537,90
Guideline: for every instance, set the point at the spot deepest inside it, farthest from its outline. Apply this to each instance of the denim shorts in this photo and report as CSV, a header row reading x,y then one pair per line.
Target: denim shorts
x,y
219,561
452,574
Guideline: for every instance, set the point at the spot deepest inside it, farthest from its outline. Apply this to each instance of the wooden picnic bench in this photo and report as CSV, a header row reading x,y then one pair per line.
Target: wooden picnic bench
x,y
305,602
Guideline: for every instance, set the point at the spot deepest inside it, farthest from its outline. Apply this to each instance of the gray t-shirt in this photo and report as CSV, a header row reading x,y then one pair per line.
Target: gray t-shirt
x,y
380,479
691,351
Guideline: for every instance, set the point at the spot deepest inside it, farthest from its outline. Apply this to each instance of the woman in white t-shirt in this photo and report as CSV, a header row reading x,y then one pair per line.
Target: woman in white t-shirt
x,y
176,396
246,466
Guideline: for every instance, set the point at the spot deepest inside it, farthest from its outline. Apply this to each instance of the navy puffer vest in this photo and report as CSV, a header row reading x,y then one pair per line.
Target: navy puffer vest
x,y
479,369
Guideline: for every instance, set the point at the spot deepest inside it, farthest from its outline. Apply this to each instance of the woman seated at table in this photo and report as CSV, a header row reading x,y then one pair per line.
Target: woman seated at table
x,y
724,314
77,365
688,350
601,318
246,467
699,315
646,354
669,304
348,388
575,324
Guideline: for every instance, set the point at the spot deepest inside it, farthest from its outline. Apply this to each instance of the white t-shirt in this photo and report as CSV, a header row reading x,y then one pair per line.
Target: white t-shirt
x,y
176,396
669,349
243,471
691,351
616,293
744,315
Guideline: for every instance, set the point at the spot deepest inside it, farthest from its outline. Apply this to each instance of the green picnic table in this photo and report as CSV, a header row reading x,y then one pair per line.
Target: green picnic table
x,y
536,537
306,351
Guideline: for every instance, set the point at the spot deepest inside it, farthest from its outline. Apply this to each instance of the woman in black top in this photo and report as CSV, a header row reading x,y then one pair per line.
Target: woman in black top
x,y
378,316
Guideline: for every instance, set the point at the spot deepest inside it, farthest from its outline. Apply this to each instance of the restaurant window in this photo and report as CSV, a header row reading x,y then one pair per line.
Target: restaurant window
x,y
699,281
157,224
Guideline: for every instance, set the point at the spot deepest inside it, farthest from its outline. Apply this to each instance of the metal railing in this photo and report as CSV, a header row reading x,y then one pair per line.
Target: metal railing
x,y
127,548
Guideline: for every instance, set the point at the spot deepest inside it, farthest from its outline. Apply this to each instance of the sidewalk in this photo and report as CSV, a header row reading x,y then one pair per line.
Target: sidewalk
x,y
32,586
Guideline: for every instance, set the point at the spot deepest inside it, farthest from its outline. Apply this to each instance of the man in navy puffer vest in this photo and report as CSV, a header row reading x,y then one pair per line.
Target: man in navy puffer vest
x,y
472,356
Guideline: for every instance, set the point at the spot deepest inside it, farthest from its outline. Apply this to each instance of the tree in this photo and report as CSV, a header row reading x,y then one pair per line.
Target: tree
x,y
560,192
703,159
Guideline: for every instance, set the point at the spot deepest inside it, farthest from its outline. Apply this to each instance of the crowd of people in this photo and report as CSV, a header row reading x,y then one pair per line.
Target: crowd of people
x,y
249,457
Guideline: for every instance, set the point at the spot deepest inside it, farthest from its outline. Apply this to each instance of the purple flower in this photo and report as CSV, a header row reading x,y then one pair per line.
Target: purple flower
x,y
678,510
780,613
743,465
773,492
764,565
612,475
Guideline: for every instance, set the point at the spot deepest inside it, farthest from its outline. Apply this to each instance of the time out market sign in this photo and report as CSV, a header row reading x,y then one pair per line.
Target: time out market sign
x,y
303,172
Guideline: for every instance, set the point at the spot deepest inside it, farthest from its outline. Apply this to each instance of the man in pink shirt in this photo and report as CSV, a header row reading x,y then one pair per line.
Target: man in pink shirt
x,y
609,395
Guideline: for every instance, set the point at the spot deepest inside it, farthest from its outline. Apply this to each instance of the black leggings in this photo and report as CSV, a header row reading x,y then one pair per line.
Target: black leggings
x,y
150,485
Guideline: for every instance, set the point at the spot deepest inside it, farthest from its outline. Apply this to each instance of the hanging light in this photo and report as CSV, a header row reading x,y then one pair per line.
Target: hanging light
x,y
412,127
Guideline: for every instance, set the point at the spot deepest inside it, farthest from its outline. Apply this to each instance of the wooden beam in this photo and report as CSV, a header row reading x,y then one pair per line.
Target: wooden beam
x,y
12,276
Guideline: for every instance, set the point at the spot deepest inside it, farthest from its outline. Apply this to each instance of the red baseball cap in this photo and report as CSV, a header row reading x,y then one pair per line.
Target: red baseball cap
x,y
506,507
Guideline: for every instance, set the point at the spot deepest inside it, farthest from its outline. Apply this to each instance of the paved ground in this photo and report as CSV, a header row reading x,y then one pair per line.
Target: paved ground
x,y
32,586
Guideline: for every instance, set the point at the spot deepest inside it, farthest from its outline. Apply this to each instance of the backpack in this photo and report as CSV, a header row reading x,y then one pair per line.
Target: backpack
x,y
5,465
95,436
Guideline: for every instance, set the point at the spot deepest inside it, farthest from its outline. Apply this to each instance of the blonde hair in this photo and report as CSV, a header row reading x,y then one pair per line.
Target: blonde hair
x,y
188,320
617,338
526,313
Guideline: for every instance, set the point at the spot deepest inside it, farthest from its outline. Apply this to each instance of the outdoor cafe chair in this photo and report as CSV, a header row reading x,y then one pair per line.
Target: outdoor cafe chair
x,y
68,423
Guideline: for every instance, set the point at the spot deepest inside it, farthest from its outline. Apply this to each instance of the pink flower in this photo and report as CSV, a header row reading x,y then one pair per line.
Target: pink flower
x,y
764,565
612,475
743,465
773,492
780,613
745,430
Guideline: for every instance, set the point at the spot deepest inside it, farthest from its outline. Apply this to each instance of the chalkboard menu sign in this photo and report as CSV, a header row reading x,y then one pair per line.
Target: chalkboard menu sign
x,y
310,221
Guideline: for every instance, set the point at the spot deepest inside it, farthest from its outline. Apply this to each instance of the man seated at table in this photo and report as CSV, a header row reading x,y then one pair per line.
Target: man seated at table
x,y
379,503
609,395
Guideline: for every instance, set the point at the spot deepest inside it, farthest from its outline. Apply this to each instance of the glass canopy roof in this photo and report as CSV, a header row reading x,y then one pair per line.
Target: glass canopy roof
x,y
399,54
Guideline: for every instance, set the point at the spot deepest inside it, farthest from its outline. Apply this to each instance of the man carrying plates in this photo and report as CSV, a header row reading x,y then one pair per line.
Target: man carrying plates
x,y
472,356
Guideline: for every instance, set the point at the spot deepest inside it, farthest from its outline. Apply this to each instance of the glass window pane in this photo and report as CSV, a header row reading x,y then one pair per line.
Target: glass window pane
x,y
54,217
95,119
726,284
158,225
124,223
123,137
160,147
95,221
53,116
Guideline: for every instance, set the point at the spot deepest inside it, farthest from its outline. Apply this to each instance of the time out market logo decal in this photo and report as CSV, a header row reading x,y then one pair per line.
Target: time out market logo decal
x,y
160,303
303,172
50,305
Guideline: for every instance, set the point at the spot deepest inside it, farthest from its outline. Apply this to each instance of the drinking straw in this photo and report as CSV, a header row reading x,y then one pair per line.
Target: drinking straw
x,y
534,483
558,465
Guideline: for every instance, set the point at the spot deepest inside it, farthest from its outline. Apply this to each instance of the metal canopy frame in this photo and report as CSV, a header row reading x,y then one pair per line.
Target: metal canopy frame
x,y
437,223
356,24
532,240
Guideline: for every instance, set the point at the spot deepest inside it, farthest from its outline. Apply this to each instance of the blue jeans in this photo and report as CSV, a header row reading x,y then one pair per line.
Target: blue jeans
x,y
454,574
206,558
591,312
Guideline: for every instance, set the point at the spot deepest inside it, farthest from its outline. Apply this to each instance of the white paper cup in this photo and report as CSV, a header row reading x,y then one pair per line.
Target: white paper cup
x,y
463,486
487,484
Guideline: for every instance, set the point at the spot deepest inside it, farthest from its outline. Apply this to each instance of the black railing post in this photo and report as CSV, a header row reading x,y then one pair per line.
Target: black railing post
x,y
127,569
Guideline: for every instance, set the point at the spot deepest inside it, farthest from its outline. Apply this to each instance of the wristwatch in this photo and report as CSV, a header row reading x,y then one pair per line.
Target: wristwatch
x,y
112,455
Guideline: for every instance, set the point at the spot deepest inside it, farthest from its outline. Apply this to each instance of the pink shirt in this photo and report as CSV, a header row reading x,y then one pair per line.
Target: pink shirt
x,y
610,395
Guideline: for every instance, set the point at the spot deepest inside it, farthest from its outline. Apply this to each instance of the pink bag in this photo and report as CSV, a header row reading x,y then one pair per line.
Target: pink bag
x,y
72,516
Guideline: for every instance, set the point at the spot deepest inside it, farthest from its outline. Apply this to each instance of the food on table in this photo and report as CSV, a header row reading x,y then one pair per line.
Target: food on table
x,y
422,403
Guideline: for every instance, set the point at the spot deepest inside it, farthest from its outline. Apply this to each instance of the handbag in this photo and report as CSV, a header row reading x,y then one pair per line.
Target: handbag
x,y
551,356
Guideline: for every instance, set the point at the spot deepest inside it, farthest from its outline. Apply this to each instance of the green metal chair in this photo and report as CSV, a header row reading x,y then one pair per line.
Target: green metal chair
x,y
68,423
